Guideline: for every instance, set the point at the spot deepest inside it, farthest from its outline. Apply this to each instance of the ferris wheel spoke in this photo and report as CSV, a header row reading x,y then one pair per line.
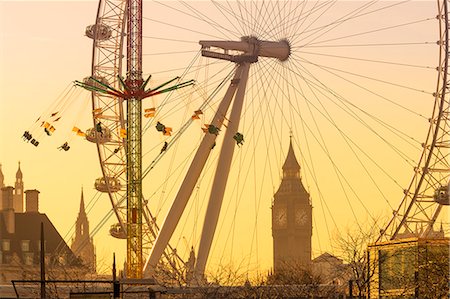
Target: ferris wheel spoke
x,y
354,145
324,145
334,71
230,16
334,97
362,87
378,30
317,32
366,60
207,20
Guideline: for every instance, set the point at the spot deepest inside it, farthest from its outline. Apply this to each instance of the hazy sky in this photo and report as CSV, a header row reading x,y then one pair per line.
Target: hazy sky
x,y
44,49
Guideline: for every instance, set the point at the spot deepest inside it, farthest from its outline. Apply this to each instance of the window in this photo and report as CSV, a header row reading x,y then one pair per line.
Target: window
x,y
28,258
6,245
25,245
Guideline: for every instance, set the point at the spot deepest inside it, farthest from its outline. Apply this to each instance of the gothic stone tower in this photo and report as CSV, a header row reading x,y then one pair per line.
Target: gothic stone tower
x,y
82,244
291,220
18,192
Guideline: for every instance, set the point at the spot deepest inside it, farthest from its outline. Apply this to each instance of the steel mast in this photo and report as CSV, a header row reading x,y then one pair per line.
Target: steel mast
x,y
134,141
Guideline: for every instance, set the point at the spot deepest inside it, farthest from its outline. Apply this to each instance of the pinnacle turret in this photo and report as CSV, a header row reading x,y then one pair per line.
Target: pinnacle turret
x,y
291,181
19,173
291,167
82,208
18,191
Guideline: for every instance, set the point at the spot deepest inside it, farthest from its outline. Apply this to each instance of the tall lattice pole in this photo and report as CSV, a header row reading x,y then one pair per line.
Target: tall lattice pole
x,y
134,142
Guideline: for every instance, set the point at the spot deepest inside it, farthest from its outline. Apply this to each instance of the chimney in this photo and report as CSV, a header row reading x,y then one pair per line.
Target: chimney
x,y
32,201
7,197
8,210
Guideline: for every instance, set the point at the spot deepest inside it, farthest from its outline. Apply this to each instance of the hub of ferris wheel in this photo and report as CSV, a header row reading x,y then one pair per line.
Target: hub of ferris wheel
x,y
248,49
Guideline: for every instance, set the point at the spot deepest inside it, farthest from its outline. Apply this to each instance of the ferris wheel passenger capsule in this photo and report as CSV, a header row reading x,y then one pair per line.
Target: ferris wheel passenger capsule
x,y
111,184
94,81
441,195
117,231
98,136
98,31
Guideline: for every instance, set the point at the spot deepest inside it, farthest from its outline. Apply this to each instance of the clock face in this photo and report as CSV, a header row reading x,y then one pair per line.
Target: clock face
x,y
300,217
280,217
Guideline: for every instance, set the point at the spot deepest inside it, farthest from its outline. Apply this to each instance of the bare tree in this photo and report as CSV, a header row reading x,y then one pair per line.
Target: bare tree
x,y
433,273
352,248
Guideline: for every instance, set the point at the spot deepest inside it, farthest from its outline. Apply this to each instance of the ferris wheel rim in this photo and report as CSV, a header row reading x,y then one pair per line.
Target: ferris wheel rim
x,y
414,188
116,63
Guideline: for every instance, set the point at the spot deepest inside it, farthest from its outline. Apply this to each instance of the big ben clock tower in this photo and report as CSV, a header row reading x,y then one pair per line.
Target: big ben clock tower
x,y
291,219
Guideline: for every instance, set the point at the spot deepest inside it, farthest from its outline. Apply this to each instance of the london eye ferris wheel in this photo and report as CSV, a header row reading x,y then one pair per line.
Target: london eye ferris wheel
x,y
361,87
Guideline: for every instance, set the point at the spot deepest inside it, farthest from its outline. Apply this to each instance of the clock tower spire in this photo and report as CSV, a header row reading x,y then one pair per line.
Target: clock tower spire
x,y
291,219
18,192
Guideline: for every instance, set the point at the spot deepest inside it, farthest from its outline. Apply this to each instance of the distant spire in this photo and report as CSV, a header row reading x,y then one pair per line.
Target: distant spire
x,y
192,253
19,173
82,209
82,244
291,165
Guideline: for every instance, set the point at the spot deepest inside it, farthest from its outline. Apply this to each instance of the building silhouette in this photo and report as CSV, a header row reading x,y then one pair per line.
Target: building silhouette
x,y
20,238
82,244
291,220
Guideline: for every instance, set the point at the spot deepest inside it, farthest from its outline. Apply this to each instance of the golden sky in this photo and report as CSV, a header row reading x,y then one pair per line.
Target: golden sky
x,y
342,82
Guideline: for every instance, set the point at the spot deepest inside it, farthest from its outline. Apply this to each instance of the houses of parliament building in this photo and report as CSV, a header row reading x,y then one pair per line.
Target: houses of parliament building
x,y
20,238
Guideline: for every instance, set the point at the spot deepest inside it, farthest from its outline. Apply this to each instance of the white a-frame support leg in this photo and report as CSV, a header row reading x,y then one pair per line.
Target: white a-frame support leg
x,y
221,176
188,184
